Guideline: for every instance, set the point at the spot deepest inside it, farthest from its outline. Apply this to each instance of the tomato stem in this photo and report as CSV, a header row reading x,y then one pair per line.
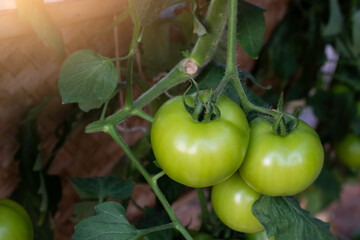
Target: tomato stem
x,y
231,72
102,117
146,231
203,205
143,115
156,177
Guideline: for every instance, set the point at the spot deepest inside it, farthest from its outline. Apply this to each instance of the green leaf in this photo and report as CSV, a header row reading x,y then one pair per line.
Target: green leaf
x,y
87,76
356,31
102,187
90,105
335,23
34,11
199,28
250,28
109,223
146,11
283,218
86,106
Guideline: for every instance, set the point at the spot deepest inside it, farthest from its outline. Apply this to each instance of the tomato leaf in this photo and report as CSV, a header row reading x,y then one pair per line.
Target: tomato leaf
x,y
87,76
199,28
356,31
146,11
109,223
34,11
90,105
250,28
283,218
335,23
102,187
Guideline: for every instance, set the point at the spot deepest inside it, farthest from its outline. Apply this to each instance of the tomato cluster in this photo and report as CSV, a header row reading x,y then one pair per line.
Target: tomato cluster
x,y
239,161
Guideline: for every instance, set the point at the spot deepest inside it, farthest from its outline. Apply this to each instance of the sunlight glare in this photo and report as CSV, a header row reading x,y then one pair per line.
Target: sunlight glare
x,y
11,4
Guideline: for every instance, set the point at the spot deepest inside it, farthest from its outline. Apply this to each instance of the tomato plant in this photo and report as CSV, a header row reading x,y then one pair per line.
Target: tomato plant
x,y
348,150
15,222
282,165
232,201
199,154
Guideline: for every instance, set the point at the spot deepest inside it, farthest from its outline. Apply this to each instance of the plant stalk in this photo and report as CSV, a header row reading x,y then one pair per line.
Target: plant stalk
x,y
203,205
146,231
231,72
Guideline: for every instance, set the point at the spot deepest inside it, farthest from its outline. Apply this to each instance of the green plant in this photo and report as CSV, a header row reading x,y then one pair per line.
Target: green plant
x,y
15,222
90,80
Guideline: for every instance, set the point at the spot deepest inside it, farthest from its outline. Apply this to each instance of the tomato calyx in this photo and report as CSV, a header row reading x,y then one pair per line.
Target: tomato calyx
x,y
204,109
284,123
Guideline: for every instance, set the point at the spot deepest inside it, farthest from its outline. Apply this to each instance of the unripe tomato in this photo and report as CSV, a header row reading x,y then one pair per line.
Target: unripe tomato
x,y
340,89
232,201
348,150
199,154
282,165
15,223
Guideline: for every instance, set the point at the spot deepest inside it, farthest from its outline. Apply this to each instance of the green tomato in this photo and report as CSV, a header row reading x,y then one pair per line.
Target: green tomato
x,y
340,89
199,154
348,150
232,201
258,236
282,165
15,223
